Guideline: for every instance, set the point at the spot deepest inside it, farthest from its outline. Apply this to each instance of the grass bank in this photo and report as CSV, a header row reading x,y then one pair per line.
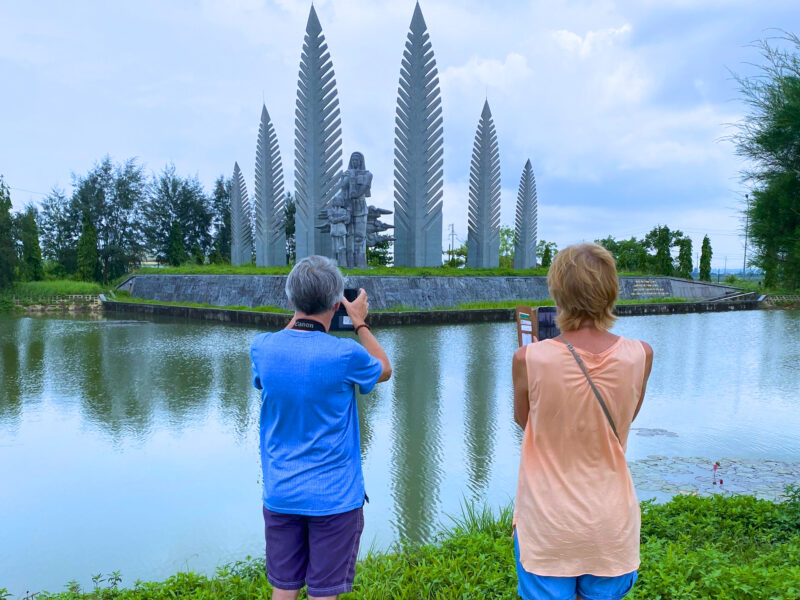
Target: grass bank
x,y
732,548
442,271
44,292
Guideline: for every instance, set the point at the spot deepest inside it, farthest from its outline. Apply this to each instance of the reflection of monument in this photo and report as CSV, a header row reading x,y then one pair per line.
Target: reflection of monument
x,y
480,407
353,225
416,443
483,238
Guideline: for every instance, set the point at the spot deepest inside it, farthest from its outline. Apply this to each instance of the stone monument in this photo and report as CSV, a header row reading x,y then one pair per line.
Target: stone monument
x,y
317,144
269,201
483,234
525,225
349,220
418,176
241,215
356,187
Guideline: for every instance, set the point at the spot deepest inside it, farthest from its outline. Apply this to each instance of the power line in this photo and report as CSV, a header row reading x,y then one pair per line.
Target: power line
x,y
29,191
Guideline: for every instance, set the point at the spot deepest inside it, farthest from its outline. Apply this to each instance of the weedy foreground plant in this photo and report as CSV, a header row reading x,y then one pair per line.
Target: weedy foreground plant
x,y
732,548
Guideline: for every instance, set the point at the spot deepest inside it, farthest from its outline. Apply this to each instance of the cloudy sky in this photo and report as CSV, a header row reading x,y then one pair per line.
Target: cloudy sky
x,y
622,107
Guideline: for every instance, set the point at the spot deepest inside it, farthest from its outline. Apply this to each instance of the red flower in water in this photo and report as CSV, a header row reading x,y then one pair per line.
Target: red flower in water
x,y
720,480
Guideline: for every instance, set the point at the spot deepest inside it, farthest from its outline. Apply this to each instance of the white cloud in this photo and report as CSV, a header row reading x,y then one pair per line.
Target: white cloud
x,y
593,41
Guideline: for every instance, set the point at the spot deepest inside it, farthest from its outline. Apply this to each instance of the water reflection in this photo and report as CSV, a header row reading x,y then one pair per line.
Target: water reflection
x,y
158,421
416,443
10,404
480,422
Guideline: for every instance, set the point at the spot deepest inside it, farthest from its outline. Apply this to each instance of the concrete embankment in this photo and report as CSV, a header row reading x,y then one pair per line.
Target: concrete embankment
x,y
386,293
267,320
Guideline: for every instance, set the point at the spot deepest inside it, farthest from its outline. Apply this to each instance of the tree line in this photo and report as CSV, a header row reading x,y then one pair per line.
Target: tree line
x,y
769,137
116,218
653,253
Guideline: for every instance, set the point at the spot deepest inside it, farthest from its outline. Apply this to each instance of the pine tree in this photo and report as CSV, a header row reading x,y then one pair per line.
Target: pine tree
x,y
88,265
8,255
705,260
176,255
30,265
685,258
221,221
547,257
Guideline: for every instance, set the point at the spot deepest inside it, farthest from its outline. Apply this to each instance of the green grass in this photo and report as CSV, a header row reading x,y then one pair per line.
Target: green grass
x,y
379,271
751,285
384,271
732,548
123,296
43,292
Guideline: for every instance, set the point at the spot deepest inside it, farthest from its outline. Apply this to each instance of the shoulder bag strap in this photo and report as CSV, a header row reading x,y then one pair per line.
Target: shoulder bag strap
x,y
594,389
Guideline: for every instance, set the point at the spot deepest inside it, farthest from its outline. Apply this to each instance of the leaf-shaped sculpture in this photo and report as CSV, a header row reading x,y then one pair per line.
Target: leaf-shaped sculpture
x,y
317,142
483,233
525,226
418,176
241,221
269,198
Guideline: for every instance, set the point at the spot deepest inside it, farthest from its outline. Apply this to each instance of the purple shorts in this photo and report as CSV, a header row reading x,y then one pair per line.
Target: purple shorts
x,y
319,552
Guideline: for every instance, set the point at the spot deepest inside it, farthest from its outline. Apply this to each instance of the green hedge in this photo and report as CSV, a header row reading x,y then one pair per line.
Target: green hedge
x,y
732,548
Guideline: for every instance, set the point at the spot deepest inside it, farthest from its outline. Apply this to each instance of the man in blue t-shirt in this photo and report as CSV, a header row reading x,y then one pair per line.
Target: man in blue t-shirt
x,y
310,439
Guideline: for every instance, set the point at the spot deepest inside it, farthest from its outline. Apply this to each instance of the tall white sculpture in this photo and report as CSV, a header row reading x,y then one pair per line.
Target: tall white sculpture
x,y
317,141
483,233
418,177
241,214
269,198
525,230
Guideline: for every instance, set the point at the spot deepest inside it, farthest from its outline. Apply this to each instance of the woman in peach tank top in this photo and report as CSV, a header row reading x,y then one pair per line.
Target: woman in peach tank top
x,y
576,515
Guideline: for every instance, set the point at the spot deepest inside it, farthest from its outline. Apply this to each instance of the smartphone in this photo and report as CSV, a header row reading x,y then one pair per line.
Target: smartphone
x,y
539,323
341,321
546,323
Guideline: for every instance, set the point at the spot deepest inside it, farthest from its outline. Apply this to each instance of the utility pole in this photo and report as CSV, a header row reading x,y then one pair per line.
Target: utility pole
x,y
452,236
746,231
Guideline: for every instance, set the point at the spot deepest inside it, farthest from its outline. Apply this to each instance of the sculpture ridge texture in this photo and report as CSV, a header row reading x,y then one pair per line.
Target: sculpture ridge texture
x,y
418,173
526,221
241,214
318,153
483,234
270,234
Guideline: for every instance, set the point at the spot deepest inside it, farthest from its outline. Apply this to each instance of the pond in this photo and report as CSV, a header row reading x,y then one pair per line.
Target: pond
x,y
132,445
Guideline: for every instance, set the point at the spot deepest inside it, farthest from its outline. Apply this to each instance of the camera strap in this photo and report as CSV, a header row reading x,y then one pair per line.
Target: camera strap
x,y
309,325
594,389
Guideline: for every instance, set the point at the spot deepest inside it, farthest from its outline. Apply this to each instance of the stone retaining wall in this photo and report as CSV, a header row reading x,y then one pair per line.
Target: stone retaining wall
x,y
390,292
387,319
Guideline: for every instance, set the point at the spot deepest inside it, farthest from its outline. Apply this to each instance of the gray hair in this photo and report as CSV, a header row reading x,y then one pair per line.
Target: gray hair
x,y
315,285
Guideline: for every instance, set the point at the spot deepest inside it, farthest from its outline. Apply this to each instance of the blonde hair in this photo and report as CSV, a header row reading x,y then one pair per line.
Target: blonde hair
x,y
583,282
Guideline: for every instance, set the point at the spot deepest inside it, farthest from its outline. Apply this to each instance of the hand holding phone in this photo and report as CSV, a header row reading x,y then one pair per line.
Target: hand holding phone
x,y
534,324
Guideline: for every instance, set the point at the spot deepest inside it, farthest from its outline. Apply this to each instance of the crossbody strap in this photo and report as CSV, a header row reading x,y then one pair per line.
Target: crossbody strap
x,y
594,389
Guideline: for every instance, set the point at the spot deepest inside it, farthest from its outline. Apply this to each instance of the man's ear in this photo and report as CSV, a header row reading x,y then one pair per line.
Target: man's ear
x,y
336,306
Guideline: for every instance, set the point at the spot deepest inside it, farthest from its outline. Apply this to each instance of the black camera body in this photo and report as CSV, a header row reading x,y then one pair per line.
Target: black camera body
x,y
341,321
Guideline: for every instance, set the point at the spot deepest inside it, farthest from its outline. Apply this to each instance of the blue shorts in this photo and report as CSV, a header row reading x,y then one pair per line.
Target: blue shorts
x,y
586,587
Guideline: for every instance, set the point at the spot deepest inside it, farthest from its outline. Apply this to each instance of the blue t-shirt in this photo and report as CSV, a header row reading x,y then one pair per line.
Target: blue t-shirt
x,y
310,438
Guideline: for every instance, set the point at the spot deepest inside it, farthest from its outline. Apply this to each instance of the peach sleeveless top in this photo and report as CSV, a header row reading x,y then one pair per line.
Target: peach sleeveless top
x,y
576,510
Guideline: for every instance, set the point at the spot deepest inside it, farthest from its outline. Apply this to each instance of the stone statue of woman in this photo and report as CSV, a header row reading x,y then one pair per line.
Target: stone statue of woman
x,y
356,188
